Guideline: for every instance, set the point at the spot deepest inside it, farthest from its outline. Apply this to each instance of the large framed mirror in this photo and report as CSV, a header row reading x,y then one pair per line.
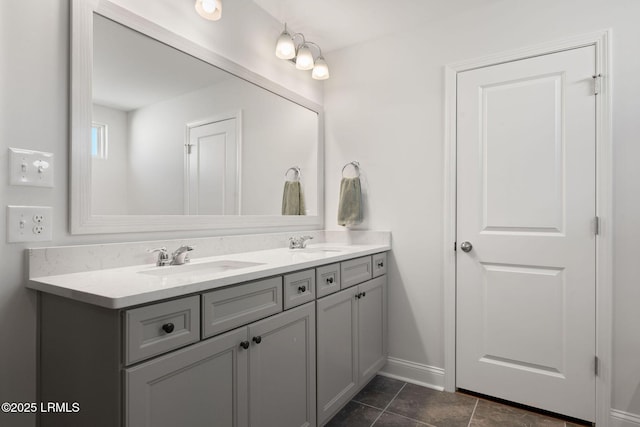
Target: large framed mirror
x,y
167,135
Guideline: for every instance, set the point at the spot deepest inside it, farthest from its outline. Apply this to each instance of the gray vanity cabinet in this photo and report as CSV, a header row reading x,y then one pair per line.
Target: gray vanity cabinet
x,y
282,369
218,382
352,342
337,318
372,328
199,386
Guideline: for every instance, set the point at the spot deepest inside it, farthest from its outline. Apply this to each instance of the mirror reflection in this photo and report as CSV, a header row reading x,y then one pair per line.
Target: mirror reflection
x,y
174,135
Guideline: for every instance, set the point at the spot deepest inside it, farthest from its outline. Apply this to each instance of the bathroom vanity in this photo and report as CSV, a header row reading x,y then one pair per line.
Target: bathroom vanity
x,y
271,338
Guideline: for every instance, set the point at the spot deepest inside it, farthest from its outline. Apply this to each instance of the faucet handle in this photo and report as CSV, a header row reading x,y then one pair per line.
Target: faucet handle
x,y
163,255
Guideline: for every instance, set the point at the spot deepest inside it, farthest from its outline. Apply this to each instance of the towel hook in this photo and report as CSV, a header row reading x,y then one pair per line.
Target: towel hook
x,y
296,169
356,166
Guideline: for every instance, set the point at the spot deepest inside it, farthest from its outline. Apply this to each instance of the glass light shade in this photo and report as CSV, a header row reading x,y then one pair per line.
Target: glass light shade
x,y
320,69
285,48
304,60
209,9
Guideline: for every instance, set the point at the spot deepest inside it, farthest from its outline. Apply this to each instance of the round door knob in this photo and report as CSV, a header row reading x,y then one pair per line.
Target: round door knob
x,y
329,280
257,339
168,327
302,289
466,246
244,344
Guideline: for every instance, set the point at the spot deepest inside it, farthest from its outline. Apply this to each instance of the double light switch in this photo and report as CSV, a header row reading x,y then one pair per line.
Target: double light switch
x,y
28,167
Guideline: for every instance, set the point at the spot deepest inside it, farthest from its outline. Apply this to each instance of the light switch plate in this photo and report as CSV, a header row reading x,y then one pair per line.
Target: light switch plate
x,y
29,167
29,224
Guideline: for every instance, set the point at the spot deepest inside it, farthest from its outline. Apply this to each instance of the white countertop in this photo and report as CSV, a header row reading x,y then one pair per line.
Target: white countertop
x,y
128,286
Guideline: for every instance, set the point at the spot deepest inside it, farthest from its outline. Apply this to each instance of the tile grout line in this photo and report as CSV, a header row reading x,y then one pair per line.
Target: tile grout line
x,y
388,404
473,412
367,405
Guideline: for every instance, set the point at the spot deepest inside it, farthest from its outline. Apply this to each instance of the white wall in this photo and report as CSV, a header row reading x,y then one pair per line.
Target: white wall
x,y
397,133
109,176
34,104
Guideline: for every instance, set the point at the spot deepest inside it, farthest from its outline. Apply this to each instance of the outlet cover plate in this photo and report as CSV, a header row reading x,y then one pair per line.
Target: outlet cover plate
x,y
29,224
29,167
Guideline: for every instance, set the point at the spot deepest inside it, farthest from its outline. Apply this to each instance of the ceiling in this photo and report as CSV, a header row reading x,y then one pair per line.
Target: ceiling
x,y
335,24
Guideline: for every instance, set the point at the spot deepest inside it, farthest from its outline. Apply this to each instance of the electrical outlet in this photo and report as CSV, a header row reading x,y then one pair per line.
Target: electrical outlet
x,y
29,167
29,224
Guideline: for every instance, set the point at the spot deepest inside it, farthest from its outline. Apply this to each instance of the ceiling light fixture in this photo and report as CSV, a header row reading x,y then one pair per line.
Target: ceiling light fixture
x,y
209,9
301,55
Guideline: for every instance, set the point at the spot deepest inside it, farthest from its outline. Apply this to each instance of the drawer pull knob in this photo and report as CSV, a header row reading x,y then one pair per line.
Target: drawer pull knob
x,y
244,344
364,294
257,339
358,296
380,264
302,289
168,327
329,280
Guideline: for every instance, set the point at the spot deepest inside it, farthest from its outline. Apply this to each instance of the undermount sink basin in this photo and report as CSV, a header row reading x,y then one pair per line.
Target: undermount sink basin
x,y
201,268
319,250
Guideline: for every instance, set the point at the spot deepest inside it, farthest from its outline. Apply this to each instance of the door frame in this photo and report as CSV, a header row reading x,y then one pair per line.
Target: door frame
x,y
235,114
604,192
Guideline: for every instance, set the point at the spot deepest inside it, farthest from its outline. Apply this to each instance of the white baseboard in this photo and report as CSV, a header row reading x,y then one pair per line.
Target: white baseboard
x,y
624,419
414,373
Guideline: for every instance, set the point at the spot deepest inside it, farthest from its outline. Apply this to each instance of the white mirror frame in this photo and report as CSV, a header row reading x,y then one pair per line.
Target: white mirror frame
x,y
82,221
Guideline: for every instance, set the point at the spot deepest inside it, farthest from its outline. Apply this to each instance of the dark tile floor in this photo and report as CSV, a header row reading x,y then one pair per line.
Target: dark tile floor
x,y
386,402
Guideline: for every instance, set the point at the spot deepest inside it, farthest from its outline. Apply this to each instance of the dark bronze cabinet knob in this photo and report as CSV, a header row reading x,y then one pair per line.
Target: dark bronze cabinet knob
x,y
244,344
168,327
257,339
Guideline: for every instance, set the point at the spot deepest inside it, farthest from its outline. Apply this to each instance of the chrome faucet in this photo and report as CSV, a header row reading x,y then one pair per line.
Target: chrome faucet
x,y
299,242
178,257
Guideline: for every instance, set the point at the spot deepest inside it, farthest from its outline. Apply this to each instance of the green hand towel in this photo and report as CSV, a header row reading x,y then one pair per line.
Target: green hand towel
x,y
293,199
350,204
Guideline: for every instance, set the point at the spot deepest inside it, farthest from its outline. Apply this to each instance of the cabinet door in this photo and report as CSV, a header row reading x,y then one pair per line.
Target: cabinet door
x,y
337,351
372,327
282,369
203,385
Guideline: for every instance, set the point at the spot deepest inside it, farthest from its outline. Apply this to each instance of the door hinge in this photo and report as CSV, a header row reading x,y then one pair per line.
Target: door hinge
x,y
455,246
597,83
188,148
596,225
596,365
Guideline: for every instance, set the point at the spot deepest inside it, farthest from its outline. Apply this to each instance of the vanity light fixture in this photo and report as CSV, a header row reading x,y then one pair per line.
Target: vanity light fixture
x,y
209,9
286,48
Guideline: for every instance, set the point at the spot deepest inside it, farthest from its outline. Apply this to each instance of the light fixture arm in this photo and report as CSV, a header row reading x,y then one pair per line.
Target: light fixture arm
x,y
316,46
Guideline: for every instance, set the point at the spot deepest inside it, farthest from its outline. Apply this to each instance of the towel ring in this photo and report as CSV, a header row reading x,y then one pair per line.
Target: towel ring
x,y
296,169
356,166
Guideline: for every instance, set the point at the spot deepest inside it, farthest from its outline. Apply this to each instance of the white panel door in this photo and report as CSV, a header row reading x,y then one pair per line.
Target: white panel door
x,y
526,203
213,169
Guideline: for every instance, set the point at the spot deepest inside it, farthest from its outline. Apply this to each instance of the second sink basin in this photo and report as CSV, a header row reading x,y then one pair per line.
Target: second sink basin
x,y
201,268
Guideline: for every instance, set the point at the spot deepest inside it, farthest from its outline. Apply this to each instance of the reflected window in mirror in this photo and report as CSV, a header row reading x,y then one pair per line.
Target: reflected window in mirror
x,y
99,140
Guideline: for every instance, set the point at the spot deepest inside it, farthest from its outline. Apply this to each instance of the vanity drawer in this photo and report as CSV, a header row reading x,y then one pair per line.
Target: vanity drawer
x,y
158,328
379,264
327,279
299,288
228,308
355,271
